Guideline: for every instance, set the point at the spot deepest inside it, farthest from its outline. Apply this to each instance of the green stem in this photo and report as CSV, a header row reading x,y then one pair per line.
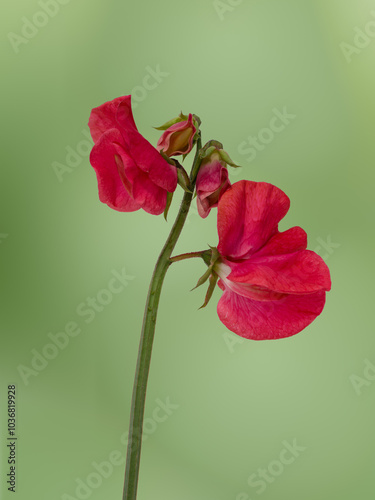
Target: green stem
x,y
147,337
189,255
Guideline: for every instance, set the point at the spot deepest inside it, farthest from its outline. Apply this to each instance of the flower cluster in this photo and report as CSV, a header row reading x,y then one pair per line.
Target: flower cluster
x,y
273,286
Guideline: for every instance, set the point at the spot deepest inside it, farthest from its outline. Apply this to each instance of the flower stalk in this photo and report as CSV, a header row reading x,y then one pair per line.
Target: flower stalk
x,y
191,255
147,337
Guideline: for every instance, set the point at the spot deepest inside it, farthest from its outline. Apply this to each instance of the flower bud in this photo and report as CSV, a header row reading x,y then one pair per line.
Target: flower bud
x,y
178,139
212,181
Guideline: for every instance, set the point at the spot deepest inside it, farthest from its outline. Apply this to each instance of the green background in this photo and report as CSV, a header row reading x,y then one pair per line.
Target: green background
x,y
238,401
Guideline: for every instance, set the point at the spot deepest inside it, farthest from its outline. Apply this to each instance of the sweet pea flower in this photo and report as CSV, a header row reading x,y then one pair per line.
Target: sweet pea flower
x,y
131,173
273,287
178,139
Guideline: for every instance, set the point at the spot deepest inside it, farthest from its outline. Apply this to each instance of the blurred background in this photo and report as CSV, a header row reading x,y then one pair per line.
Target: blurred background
x,y
226,419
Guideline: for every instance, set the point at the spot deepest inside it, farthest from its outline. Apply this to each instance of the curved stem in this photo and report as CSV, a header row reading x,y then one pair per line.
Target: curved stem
x,y
147,337
189,255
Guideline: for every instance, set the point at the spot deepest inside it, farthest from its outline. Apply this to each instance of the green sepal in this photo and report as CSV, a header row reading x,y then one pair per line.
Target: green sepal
x,y
197,120
180,118
211,287
207,152
225,157
211,145
183,179
203,278
167,158
210,257
215,254
169,201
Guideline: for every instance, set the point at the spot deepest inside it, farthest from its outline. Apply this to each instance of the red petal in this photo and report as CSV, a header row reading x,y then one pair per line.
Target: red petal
x,y
144,154
117,114
151,197
148,195
248,216
298,272
212,182
149,160
210,177
292,240
103,118
111,189
264,320
124,116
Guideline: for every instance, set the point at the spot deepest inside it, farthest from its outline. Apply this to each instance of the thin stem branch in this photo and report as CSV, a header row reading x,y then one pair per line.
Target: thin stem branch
x,y
147,337
185,256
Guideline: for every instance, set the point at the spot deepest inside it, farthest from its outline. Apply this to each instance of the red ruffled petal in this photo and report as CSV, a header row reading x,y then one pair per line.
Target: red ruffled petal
x,y
209,178
111,188
298,272
292,240
124,116
248,216
148,195
265,320
150,161
138,176
212,182
103,118
151,197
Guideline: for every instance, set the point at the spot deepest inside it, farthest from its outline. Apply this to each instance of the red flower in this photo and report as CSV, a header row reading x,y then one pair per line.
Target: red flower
x,y
212,182
273,287
131,173
178,139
